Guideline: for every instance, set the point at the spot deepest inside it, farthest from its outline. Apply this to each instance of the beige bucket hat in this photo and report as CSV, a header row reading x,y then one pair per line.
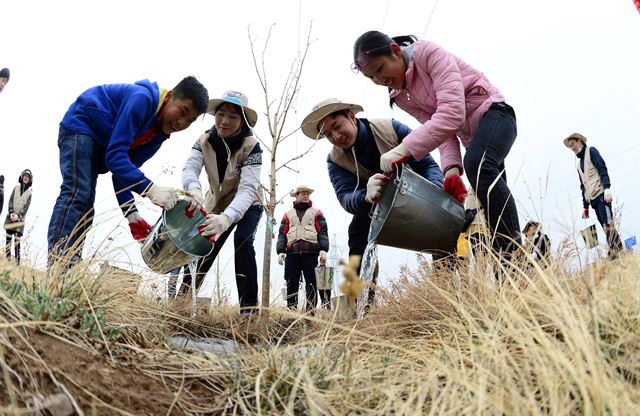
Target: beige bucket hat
x,y
575,136
321,110
237,98
299,189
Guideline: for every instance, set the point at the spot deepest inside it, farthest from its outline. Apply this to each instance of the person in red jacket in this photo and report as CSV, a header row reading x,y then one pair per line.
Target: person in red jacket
x,y
303,241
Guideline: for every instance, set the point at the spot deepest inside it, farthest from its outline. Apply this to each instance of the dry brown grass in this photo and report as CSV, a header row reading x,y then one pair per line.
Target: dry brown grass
x,y
543,342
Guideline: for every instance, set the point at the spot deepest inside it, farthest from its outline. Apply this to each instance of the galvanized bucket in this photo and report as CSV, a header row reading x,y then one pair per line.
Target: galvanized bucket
x,y
324,278
415,214
174,240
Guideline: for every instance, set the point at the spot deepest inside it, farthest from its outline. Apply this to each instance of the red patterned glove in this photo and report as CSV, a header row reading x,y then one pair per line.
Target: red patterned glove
x,y
585,213
140,229
454,186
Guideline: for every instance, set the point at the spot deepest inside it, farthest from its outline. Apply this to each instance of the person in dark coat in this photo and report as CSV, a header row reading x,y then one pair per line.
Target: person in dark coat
x,y
537,242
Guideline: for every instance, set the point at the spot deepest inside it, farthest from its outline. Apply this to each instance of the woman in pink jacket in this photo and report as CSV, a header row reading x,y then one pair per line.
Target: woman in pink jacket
x,y
456,104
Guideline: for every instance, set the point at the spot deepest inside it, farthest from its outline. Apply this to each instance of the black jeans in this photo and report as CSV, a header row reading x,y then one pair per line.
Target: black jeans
x,y
484,165
244,259
294,265
605,218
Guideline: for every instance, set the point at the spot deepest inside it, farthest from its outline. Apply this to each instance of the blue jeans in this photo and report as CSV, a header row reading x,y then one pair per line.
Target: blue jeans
x,y
72,214
484,164
244,259
605,218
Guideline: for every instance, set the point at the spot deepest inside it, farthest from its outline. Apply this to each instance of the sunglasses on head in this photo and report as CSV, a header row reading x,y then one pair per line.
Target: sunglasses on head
x,y
363,58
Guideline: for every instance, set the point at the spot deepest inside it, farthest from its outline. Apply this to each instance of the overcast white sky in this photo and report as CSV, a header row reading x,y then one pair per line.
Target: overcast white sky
x,y
564,66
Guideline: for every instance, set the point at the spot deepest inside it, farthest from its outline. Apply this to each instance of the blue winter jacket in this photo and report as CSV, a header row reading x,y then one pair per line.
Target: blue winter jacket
x,y
115,115
367,153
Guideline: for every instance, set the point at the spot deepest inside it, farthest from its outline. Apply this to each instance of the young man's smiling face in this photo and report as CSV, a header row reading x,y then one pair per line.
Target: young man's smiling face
x,y
340,129
178,114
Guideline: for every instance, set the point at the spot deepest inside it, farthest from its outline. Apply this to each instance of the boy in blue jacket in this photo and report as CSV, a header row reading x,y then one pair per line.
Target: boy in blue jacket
x,y
116,128
354,161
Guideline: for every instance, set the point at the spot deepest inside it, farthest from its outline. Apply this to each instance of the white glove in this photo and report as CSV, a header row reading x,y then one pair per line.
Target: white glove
x,y
163,196
393,155
322,258
608,197
197,199
14,217
375,186
215,225
281,258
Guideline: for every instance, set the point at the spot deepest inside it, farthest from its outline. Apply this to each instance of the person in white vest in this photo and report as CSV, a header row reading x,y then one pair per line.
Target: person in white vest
x,y
303,241
19,203
595,186
354,162
232,159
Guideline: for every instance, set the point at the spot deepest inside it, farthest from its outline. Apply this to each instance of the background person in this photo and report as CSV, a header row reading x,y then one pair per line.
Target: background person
x,y
595,187
19,203
537,242
303,242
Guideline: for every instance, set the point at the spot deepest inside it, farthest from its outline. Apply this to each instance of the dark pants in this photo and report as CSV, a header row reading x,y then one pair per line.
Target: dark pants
x,y
605,218
72,214
484,165
15,237
325,298
244,259
358,240
294,265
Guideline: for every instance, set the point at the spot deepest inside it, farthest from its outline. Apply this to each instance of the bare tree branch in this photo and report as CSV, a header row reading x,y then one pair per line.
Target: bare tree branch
x,y
297,157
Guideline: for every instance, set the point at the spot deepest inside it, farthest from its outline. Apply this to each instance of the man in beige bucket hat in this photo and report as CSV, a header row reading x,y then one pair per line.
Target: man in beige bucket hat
x,y
354,161
595,188
303,241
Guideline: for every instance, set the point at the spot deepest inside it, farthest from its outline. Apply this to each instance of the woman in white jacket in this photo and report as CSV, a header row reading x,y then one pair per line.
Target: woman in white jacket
x,y
232,159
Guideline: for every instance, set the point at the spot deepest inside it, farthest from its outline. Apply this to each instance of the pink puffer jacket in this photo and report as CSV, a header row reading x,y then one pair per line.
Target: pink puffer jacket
x,y
448,96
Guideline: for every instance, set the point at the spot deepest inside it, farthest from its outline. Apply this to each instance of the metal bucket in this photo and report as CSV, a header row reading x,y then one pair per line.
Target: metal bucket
x,y
324,278
415,214
174,240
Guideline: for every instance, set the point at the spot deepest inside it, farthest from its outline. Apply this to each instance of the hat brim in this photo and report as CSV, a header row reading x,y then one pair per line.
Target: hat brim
x,y
574,136
310,122
298,190
252,116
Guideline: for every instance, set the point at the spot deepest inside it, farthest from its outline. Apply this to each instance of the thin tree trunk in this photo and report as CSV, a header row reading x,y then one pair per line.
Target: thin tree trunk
x,y
268,240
